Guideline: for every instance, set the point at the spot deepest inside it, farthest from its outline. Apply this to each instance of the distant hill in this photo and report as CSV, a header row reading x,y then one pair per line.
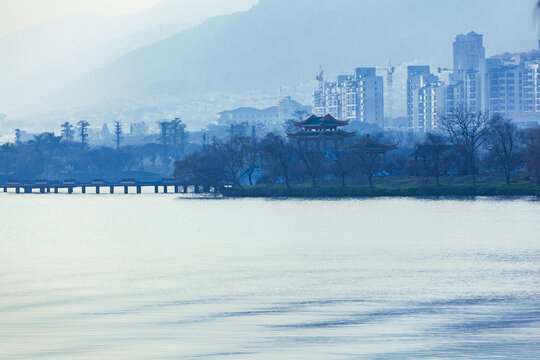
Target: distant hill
x,y
44,59
284,42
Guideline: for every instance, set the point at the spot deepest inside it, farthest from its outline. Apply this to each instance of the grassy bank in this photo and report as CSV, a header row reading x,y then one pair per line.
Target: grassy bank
x,y
391,187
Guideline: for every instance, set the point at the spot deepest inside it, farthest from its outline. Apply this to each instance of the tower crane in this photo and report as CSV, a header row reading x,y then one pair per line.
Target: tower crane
x,y
389,70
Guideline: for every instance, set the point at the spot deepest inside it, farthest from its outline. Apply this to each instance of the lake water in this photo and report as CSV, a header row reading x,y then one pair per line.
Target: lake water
x,y
162,277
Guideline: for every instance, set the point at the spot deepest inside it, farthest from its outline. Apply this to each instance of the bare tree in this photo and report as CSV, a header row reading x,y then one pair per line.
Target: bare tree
x,y
232,159
531,140
503,145
437,148
368,163
278,155
311,156
342,161
83,131
467,129
252,157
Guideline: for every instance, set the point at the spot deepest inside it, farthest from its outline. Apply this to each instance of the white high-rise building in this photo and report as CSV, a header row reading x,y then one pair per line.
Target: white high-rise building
x,y
426,99
357,97
469,52
465,86
512,86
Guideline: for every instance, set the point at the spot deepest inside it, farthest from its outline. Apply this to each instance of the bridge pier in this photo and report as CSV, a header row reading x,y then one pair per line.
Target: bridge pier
x,y
85,187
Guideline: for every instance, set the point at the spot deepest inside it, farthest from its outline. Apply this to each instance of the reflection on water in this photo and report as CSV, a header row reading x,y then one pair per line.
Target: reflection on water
x,y
155,276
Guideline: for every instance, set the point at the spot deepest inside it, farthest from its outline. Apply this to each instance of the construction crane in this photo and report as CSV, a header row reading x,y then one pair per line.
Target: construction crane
x,y
320,78
389,72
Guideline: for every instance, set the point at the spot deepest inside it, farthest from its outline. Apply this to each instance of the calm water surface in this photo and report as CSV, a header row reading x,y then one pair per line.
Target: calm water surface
x,y
159,277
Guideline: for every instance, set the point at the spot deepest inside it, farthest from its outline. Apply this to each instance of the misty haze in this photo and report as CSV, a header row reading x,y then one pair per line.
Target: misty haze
x,y
269,179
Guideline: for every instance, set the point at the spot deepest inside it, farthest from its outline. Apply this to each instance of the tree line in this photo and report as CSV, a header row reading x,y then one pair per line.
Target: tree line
x,y
466,143
70,155
469,144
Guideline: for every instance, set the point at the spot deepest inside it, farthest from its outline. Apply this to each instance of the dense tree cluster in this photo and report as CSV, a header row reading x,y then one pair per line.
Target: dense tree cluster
x,y
69,155
466,143
477,145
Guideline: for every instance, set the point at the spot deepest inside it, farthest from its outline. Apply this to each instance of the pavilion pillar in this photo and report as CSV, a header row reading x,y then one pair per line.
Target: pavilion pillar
x,y
17,190
111,189
185,189
156,189
125,189
176,189
138,189
83,189
56,189
48,189
70,189
27,190
98,189
42,190
196,190
164,189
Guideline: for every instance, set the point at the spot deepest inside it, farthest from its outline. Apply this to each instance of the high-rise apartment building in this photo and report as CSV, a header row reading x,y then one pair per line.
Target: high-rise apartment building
x,y
469,52
426,99
357,97
465,86
413,73
512,86
465,89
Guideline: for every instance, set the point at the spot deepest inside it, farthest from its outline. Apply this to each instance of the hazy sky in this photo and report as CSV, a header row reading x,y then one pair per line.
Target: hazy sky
x,y
19,14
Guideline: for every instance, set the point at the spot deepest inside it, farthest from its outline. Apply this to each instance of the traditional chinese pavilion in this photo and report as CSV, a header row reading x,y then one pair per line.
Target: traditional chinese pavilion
x,y
319,129
370,146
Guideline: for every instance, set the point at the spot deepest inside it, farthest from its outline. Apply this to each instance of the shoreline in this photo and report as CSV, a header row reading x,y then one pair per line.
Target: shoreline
x,y
362,191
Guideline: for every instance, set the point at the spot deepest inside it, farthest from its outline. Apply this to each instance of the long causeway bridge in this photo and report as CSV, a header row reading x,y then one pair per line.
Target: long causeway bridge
x,y
96,185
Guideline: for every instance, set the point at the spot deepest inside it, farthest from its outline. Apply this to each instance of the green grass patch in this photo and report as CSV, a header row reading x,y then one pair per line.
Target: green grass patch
x,y
398,187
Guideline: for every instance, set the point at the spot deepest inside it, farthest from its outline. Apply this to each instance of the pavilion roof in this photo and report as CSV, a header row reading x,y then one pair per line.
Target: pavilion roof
x,y
369,145
431,150
319,121
321,134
